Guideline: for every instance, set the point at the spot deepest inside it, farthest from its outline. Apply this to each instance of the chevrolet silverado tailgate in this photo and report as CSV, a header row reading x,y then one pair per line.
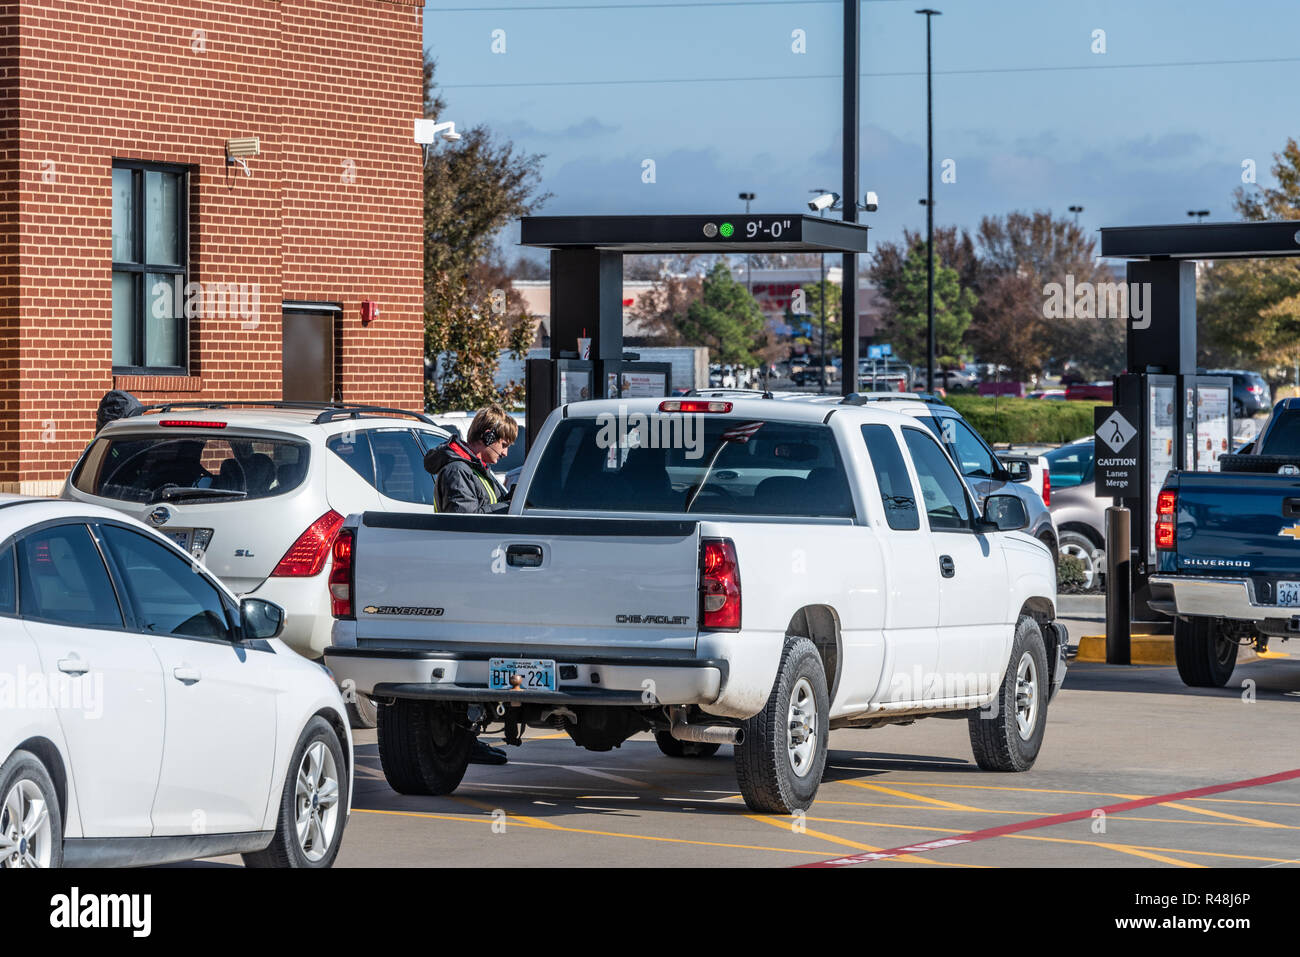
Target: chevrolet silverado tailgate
x,y
1237,523
526,580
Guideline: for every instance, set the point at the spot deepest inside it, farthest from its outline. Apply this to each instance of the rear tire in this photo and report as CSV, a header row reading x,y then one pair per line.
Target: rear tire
x,y
363,713
1205,657
1009,738
779,763
420,749
31,822
313,804
684,749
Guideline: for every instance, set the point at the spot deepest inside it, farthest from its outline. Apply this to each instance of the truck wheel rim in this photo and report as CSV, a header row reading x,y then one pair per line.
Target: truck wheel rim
x,y
801,739
317,801
25,838
1224,651
1026,696
1085,558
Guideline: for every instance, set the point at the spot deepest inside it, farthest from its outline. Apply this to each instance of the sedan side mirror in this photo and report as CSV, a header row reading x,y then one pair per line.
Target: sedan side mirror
x,y
1018,469
260,618
1005,513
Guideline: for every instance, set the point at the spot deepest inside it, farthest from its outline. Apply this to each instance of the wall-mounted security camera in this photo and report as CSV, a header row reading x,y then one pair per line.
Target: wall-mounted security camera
x,y
426,131
824,201
872,203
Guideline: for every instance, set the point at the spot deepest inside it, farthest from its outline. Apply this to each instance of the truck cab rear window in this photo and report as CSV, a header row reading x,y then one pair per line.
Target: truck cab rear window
x,y
697,464
191,468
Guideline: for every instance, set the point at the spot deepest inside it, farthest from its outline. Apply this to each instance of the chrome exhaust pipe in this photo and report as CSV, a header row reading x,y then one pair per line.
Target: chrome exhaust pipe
x,y
718,734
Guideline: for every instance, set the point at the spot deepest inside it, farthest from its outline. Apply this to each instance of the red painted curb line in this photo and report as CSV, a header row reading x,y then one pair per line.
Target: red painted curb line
x,y
1050,820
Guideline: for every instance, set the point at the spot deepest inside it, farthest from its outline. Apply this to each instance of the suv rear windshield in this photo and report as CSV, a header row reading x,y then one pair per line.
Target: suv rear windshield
x,y
692,463
191,467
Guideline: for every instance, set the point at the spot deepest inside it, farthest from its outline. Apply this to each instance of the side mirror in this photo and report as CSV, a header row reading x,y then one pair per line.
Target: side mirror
x,y
1005,513
260,618
1018,469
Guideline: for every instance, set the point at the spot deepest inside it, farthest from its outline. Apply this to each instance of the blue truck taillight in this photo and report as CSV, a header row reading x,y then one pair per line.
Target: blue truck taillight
x,y
1166,527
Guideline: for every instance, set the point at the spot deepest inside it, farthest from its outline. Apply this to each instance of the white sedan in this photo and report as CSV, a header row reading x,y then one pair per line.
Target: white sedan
x,y
146,714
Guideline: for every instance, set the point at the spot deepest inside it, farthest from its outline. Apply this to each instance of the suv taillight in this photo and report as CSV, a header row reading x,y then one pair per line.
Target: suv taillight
x,y
341,577
306,556
1047,487
1166,508
719,585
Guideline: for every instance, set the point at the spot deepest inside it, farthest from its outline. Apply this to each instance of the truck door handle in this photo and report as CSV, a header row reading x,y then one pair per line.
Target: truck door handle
x,y
1291,507
946,566
524,556
187,675
73,666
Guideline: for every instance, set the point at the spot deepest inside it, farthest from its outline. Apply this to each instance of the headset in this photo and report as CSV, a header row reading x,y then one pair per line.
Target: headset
x,y
489,436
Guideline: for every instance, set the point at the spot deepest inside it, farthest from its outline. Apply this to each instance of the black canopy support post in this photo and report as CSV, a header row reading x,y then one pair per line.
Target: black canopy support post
x,y
1162,316
587,293
849,276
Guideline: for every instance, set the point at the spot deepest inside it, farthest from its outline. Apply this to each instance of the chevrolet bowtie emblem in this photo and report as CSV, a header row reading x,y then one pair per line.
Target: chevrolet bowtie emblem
x,y
1292,532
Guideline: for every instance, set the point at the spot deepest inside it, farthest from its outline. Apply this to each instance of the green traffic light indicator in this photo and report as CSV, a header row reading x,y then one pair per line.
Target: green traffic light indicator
x,y
726,229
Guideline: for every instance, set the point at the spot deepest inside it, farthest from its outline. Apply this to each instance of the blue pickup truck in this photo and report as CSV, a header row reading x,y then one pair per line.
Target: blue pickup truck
x,y
1228,552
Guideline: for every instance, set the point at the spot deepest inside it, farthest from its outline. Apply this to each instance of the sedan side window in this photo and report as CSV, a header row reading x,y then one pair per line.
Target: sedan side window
x,y
896,492
946,501
167,593
62,579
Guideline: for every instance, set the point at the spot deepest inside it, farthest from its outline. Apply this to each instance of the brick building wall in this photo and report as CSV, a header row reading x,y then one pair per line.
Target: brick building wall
x,y
331,212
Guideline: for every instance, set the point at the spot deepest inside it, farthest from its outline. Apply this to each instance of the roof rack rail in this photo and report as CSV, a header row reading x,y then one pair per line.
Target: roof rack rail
x,y
727,390
329,410
862,398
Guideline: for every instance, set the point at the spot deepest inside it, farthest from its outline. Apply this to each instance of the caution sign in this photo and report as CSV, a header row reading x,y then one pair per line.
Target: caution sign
x,y
1117,473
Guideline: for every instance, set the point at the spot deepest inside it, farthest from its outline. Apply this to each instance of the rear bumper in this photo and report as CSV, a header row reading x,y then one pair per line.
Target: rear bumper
x,y
307,618
1232,598
437,675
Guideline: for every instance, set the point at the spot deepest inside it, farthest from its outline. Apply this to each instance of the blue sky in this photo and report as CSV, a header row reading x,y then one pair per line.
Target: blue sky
x,y
1031,117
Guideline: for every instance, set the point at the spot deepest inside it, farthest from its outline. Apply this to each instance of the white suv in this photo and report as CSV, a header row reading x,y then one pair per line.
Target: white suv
x,y
258,493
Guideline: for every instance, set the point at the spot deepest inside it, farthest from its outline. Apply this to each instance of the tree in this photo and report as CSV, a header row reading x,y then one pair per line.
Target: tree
x,y
906,318
1248,310
472,189
814,294
725,318
662,309
1008,326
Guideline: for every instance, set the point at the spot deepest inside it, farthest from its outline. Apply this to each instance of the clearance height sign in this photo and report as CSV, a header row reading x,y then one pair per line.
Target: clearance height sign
x,y
1117,473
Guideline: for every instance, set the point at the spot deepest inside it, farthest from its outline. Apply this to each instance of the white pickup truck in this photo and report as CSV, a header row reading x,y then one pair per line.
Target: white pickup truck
x,y
748,572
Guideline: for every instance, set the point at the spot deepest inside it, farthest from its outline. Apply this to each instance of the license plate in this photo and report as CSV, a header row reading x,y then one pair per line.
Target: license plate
x,y
181,536
1288,594
533,674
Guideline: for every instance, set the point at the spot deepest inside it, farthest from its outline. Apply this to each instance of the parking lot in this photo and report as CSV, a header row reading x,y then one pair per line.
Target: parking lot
x,y
1115,735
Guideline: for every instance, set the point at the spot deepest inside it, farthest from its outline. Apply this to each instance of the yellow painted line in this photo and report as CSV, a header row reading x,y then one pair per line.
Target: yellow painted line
x,y
484,806
1240,801
1031,813
1134,850
1142,847
785,824
524,822
1255,822
999,787
911,797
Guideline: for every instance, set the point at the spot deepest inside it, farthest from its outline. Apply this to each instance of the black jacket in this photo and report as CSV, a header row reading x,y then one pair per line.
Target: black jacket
x,y
461,483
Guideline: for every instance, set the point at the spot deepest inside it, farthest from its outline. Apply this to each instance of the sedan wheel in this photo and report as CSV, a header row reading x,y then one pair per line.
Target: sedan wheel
x,y
317,801
25,835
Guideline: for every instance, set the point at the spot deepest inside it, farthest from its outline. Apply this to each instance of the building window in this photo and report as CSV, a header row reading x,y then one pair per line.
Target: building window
x,y
150,267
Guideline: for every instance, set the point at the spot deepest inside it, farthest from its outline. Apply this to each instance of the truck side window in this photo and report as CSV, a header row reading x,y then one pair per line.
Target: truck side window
x,y
896,492
946,502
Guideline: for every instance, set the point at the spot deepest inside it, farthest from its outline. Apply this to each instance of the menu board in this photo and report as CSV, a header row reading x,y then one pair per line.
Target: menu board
x,y
1212,425
1161,433
575,385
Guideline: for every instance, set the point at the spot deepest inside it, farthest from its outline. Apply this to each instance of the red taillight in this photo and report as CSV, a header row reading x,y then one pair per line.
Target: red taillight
x,y
694,405
719,585
1047,487
306,556
191,424
1166,529
341,576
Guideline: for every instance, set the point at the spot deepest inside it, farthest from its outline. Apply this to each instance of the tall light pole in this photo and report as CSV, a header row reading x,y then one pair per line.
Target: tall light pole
x,y
929,202
749,278
1076,210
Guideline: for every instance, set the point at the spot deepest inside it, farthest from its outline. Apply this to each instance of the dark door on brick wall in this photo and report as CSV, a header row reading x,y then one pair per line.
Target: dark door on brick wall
x,y
308,363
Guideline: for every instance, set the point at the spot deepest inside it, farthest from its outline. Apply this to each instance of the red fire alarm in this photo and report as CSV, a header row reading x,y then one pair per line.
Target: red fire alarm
x,y
369,311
